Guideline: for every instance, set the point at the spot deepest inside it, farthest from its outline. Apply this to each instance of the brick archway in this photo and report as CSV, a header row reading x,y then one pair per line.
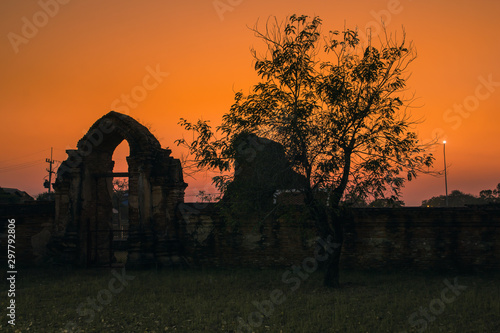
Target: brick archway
x,y
83,195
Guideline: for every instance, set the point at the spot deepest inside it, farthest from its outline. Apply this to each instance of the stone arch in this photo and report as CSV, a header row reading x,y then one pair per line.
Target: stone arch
x,y
83,195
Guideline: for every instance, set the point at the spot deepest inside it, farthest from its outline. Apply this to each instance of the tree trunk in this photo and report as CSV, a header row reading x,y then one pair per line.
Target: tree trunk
x,y
332,274
329,222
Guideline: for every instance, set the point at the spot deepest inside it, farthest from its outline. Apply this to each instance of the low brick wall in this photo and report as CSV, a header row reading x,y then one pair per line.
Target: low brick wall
x,y
34,222
208,240
429,238
419,238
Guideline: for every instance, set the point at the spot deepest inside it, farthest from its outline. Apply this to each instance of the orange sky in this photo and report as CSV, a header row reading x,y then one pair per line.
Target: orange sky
x,y
74,66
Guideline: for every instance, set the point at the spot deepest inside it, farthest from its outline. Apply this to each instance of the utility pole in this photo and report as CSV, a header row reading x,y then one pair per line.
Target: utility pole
x,y
445,176
50,161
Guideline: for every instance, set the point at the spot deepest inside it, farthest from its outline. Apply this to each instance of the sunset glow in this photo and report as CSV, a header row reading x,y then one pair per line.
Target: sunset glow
x,y
67,63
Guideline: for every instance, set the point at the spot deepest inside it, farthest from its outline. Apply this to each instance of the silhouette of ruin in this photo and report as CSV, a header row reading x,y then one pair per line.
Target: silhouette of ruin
x,y
82,230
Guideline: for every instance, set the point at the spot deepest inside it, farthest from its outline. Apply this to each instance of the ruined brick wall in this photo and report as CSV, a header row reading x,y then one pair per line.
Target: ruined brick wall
x,y
34,222
421,238
428,238
208,240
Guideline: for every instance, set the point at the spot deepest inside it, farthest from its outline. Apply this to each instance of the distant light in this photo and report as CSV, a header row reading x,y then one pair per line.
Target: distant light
x,y
444,142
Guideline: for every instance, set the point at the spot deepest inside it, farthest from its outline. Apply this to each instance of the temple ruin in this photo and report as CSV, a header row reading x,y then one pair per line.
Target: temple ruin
x,y
82,231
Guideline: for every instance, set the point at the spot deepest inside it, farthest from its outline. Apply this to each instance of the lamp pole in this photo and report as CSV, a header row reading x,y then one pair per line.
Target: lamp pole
x,y
445,175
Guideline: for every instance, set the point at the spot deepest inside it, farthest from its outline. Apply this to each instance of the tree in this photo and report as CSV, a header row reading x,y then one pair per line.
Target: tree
x,y
343,121
487,195
45,196
460,199
386,203
120,192
455,199
490,196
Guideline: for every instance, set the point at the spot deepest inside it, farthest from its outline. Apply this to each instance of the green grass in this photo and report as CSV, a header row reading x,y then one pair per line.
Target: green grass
x,y
211,300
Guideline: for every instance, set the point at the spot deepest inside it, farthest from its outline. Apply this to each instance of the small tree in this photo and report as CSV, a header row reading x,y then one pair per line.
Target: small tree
x,y
45,196
490,196
120,191
343,121
386,203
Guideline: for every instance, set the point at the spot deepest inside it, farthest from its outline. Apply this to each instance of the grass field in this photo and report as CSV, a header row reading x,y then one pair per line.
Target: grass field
x,y
270,300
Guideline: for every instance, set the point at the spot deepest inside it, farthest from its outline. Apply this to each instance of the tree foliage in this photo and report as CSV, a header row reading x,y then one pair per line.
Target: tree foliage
x,y
460,199
343,121
45,196
340,111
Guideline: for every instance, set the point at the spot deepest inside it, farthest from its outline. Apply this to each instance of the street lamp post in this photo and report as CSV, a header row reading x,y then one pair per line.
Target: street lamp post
x,y
445,176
